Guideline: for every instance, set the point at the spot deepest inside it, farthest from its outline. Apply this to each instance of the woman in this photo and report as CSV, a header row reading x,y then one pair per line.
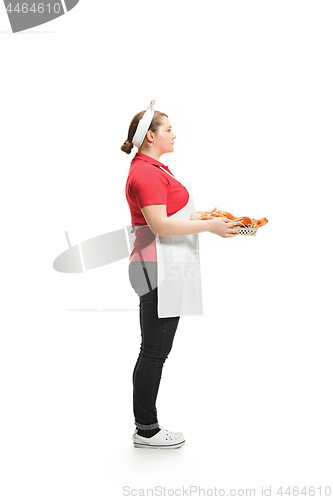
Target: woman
x,y
154,197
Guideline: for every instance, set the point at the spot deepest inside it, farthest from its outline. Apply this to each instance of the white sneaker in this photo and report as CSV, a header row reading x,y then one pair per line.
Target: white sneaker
x,y
163,440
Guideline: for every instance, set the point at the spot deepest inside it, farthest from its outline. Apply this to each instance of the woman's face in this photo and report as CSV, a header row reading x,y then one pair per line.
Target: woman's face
x,y
164,138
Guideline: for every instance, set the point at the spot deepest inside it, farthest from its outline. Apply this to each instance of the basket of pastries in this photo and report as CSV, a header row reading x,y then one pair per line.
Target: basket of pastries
x,y
247,226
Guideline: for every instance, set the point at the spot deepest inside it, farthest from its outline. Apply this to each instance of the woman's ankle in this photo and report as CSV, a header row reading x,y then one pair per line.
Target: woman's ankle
x,y
147,433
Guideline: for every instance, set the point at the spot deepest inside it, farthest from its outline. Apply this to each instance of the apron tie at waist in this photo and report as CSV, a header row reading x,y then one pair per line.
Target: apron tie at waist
x,y
148,427
134,228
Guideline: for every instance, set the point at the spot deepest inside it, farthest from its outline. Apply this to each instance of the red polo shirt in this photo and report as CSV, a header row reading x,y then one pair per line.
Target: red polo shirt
x,y
147,184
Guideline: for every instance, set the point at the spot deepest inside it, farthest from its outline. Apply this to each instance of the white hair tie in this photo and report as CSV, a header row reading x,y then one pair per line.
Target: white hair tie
x,y
143,125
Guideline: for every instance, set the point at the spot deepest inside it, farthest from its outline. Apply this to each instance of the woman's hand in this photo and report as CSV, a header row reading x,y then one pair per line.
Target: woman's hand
x,y
221,228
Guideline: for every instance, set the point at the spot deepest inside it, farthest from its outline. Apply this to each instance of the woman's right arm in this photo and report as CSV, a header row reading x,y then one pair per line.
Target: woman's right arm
x,y
161,224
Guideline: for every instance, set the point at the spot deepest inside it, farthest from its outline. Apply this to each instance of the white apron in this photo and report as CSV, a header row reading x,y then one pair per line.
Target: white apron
x,y
179,289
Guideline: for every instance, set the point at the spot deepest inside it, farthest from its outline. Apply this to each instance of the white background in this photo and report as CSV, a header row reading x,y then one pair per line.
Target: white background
x,y
247,86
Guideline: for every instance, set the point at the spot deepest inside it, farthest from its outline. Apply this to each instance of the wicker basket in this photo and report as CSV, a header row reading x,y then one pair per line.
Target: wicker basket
x,y
248,231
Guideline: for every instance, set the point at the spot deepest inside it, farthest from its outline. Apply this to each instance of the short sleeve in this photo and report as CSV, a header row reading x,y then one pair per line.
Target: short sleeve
x,y
151,189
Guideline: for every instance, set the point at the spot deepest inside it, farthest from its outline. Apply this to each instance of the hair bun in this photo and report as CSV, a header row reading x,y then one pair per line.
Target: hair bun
x,y
127,146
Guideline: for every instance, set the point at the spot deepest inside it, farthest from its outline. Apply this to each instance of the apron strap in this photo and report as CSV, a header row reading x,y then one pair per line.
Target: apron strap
x,y
145,271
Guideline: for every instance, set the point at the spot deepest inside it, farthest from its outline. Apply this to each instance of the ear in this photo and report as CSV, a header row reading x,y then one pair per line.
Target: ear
x,y
150,136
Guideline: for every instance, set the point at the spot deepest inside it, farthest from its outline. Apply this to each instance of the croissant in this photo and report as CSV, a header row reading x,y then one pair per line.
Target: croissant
x,y
259,222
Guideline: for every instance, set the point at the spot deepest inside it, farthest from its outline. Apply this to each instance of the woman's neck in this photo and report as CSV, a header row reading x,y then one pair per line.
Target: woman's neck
x,y
150,152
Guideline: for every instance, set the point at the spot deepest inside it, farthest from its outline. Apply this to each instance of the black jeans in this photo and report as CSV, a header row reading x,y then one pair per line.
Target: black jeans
x,y
157,336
